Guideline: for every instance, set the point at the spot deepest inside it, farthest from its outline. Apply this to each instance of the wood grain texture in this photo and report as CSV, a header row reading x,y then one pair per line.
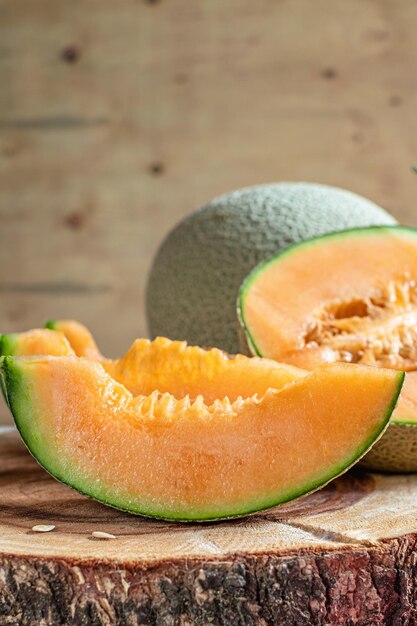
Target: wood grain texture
x,y
115,121
345,555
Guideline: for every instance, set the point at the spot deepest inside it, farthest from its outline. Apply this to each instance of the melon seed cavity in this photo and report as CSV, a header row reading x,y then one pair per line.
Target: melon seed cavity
x,y
379,329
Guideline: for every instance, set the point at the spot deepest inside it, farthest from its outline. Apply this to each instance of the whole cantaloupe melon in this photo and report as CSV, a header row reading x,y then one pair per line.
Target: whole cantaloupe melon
x,y
197,272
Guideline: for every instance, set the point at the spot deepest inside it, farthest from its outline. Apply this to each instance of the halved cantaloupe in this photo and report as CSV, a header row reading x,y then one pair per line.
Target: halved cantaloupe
x,y
167,456
348,296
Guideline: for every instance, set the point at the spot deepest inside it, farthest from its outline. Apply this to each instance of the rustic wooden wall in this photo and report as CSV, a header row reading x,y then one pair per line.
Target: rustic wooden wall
x,y
117,118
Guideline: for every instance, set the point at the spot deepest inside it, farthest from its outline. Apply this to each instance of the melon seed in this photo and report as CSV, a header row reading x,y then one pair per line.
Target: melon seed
x,y
43,528
98,534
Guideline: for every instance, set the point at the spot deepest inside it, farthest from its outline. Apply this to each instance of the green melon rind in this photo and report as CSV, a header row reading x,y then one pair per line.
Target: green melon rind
x,y
9,344
19,392
396,451
199,267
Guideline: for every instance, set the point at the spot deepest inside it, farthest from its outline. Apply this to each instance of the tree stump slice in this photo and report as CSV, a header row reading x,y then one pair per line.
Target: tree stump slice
x,y
344,555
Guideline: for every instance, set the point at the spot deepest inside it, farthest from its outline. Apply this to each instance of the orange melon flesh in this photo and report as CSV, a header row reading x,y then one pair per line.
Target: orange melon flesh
x,y
163,365
79,337
349,296
406,410
144,369
167,457
173,367
37,341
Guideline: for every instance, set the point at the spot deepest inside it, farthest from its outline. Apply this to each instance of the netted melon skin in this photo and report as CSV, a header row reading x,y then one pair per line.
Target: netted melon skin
x,y
196,275
395,452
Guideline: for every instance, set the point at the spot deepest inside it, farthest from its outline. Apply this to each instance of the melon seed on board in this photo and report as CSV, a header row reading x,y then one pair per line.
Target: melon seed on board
x,y
42,528
99,534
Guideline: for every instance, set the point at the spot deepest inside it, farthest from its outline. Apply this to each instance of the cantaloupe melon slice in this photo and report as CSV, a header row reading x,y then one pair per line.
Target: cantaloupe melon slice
x,y
167,456
348,296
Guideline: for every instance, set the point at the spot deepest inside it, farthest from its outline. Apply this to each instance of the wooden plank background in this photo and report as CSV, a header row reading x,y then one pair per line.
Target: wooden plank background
x,y
116,119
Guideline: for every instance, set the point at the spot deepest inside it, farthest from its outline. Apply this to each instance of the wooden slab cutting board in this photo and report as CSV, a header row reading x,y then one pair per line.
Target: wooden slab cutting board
x,y
345,555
